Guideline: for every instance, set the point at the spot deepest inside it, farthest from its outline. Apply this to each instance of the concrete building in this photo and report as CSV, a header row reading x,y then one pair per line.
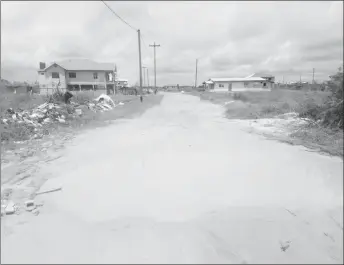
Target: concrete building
x,y
76,74
254,82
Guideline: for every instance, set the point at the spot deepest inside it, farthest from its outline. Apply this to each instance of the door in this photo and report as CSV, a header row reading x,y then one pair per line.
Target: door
x,y
230,87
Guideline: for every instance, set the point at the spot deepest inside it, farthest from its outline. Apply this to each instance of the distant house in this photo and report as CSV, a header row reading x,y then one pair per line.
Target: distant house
x,y
76,74
254,82
121,82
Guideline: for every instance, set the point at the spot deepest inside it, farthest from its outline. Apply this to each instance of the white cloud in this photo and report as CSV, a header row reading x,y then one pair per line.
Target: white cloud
x,y
229,38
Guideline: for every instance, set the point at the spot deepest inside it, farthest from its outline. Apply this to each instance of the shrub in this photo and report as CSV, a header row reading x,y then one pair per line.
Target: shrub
x,y
333,114
240,96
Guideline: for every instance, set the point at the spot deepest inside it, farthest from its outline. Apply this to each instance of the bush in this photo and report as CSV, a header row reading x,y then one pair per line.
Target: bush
x,y
330,112
239,96
333,114
310,109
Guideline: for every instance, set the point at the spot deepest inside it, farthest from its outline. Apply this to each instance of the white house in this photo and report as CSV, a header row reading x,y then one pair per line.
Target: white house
x,y
254,82
76,74
120,82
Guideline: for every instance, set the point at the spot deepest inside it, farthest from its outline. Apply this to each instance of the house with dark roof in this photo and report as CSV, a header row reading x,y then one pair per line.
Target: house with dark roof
x,y
76,74
253,82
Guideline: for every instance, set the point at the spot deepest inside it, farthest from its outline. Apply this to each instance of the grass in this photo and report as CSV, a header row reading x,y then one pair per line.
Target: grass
x,y
22,101
255,105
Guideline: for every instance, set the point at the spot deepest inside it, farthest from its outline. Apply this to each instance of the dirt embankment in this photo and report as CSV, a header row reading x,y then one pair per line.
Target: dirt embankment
x,y
49,128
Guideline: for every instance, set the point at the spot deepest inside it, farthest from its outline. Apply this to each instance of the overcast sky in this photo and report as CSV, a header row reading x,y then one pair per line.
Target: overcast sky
x,y
230,39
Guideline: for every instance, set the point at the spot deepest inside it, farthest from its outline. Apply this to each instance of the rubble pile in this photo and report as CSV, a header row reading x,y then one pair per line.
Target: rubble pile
x,y
48,113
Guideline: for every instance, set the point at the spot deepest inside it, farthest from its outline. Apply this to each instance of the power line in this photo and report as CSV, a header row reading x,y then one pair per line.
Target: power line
x,y
145,45
119,16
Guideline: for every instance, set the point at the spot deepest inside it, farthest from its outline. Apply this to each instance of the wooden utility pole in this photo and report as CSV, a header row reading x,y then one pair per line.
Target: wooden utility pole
x,y
140,65
154,45
313,75
196,74
144,75
147,78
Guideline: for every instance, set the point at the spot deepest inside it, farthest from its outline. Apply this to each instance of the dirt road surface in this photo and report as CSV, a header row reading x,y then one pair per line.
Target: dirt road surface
x,y
181,184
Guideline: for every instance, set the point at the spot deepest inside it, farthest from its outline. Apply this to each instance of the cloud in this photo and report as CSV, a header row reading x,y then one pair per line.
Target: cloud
x,y
229,38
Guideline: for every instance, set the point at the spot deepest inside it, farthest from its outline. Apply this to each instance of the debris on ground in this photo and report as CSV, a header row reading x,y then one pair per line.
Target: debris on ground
x,y
37,119
10,207
106,99
29,203
285,245
48,191
35,212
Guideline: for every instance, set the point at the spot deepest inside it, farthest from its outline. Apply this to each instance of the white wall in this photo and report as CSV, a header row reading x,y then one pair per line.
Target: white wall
x,y
242,86
46,80
86,77
218,88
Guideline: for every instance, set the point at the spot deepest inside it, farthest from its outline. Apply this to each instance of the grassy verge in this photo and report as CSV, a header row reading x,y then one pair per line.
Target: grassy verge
x,y
256,105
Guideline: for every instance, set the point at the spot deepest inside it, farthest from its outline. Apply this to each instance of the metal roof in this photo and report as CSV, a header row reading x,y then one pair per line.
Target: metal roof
x,y
84,65
238,79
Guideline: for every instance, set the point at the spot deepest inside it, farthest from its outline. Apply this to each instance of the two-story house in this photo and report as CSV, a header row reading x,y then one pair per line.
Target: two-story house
x,y
76,74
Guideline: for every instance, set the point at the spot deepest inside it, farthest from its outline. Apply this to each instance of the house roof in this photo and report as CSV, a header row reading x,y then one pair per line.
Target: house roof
x,y
260,75
237,79
83,65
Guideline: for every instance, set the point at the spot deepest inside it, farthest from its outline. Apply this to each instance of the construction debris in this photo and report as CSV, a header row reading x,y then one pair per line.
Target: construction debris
x,y
106,99
29,203
48,191
10,208
48,113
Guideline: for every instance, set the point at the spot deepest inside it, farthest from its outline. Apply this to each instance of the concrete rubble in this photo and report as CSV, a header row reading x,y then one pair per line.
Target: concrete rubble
x,y
8,207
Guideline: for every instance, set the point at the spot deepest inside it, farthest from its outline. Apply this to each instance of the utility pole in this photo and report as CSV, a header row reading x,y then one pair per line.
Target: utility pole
x,y
140,65
313,75
196,74
147,78
154,45
144,75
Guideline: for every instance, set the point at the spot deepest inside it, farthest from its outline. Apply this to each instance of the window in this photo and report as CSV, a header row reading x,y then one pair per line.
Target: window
x,y
72,75
55,75
245,84
42,73
95,75
221,85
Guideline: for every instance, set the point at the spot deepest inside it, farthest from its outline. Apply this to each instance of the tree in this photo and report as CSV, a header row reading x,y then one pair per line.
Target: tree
x,y
336,84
